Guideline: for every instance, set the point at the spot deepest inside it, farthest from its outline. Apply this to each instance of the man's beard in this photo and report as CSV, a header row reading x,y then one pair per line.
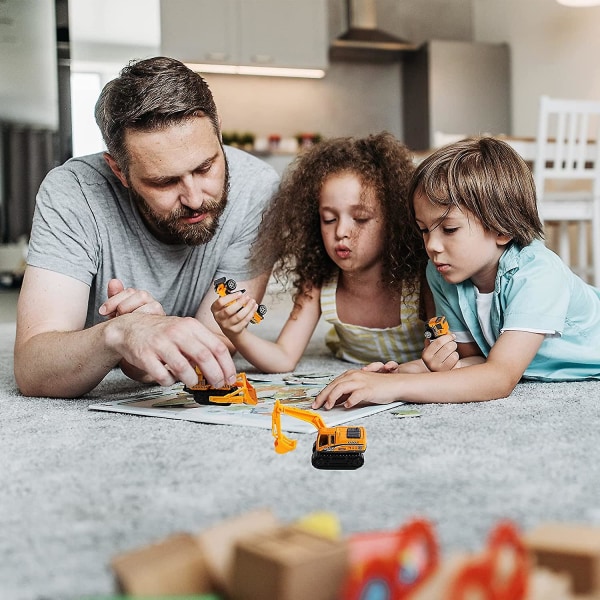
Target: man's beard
x,y
172,230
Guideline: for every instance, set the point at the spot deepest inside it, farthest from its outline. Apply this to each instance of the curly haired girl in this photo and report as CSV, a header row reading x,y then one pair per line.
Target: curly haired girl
x,y
339,229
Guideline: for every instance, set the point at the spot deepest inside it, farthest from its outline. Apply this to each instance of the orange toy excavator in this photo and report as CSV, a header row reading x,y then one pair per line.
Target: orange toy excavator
x,y
335,448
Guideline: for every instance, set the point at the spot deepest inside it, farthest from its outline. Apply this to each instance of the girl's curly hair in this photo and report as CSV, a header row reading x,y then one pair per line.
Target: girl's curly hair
x,y
290,232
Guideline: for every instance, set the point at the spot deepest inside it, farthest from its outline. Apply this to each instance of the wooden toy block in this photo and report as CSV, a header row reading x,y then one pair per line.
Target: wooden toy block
x,y
289,564
174,566
548,585
218,544
573,549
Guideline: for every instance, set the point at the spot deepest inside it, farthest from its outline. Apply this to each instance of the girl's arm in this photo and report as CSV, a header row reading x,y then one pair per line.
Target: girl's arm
x,y
495,378
233,313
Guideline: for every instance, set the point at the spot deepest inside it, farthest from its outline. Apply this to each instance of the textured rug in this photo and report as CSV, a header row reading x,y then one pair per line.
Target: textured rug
x,y
79,487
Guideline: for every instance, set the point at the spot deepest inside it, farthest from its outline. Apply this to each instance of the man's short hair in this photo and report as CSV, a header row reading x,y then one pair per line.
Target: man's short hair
x,y
149,95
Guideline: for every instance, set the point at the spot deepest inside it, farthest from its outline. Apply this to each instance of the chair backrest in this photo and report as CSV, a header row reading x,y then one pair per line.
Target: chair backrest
x,y
568,141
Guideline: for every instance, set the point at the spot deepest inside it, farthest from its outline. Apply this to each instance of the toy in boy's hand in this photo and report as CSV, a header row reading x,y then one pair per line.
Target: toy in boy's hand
x,y
241,392
339,447
436,327
224,286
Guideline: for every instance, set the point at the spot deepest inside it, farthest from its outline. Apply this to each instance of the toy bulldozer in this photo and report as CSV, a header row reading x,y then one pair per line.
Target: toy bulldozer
x,y
241,392
335,448
436,327
224,286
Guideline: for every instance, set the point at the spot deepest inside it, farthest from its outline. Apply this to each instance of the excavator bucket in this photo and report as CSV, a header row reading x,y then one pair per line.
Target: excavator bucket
x,y
284,444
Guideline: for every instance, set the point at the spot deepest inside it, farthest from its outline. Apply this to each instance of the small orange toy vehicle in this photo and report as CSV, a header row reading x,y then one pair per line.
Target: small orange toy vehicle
x,y
436,327
224,286
241,392
335,448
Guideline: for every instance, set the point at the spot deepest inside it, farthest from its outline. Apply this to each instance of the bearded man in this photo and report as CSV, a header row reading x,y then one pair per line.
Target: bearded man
x,y
125,244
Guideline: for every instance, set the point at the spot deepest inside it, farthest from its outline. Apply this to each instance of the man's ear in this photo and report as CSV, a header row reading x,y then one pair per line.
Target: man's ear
x,y
502,239
114,167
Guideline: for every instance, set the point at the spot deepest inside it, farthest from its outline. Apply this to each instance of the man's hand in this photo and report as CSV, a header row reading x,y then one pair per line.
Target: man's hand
x,y
122,301
166,349
357,387
234,312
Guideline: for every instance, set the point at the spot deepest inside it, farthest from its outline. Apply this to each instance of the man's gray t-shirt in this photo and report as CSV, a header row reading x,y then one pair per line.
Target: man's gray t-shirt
x,y
87,227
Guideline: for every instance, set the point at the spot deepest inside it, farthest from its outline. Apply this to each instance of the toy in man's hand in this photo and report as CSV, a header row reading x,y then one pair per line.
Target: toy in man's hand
x,y
241,392
436,327
224,286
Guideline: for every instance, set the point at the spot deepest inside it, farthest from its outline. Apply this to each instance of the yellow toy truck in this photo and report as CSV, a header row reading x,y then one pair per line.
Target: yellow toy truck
x,y
241,392
436,327
224,286
340,448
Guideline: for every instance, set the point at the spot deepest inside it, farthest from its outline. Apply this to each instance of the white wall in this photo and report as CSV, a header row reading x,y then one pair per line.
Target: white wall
x,y
555,50
28,82
350,100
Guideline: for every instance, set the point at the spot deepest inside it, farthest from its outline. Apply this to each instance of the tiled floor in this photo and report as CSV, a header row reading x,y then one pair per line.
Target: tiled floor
x,y
8,305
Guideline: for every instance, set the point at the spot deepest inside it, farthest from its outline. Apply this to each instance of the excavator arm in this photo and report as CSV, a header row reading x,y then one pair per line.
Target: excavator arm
x,y
282,443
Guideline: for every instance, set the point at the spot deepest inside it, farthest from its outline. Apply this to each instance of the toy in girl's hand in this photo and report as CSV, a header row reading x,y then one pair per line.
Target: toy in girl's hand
x,y
436,327
224,286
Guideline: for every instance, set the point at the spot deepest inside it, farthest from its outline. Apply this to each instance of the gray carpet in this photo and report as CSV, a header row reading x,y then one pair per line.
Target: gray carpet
x,y
78,487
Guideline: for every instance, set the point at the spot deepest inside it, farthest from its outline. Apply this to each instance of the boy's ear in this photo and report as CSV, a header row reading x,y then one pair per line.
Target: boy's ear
x,y
114,167
503,239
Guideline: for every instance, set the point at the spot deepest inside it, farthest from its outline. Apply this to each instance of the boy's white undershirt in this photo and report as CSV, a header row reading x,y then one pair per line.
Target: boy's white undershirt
x,y
484,309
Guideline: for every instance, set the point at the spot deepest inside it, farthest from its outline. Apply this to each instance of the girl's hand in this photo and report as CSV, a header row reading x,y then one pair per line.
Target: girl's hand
x,y
441,353
379,367
233,312
357,386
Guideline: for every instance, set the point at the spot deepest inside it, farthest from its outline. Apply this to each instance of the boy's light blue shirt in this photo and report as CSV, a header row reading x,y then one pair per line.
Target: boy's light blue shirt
x,y
534,290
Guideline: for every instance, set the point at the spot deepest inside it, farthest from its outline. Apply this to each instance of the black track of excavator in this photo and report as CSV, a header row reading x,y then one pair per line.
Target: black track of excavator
x,y
339,461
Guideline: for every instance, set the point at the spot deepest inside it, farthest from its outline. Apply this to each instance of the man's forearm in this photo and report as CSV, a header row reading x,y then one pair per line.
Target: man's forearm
x,y
63,364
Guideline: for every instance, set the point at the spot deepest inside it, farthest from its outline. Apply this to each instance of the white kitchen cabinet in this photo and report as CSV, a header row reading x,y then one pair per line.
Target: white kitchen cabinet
x,y
274,33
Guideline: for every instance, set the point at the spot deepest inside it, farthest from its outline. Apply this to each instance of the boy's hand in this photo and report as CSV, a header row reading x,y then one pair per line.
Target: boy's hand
x,y
441,353
233,312
357,386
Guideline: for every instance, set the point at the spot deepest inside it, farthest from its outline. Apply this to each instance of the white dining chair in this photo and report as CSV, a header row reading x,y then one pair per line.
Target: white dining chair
x,y
567,178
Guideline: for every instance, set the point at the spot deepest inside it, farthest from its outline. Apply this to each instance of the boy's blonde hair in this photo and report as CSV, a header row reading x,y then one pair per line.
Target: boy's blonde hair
x,y
487,177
